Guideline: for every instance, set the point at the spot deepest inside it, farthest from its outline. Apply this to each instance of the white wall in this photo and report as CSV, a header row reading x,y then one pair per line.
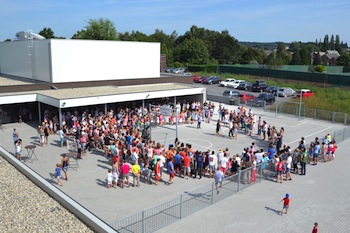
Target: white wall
x,y
58,60
88,60
14,59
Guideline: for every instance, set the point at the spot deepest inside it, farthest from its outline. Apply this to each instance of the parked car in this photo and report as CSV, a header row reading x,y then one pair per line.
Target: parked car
x,y
269,98
235,83
201,79
231,93
195,77
246,97
285,92
170,69
187,74
271,89
227,81
259,86
245,86
212,80
305,93
179,70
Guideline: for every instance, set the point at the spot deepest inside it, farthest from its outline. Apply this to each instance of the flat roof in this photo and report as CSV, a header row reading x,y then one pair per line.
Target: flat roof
x,y
80,96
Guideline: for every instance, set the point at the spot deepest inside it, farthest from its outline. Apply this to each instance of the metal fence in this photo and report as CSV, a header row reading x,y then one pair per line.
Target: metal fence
x,y
161,215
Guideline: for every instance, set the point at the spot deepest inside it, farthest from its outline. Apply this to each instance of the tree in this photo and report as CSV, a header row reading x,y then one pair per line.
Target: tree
x,y
344,59
194,51
337,44
296,59
47,33
325,43
305,56
320,69
317,59
332,43
98,29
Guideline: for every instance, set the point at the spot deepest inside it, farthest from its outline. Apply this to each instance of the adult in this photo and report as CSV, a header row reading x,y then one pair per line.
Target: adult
x,y
200,163
218,127
187,166
65,165
136,173
124,170
62,136
288,166
157,174
212,164
303,161
279,168
219,176
177,163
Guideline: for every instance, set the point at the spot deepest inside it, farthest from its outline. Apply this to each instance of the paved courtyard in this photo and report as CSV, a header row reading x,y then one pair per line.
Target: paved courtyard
x,y
321,196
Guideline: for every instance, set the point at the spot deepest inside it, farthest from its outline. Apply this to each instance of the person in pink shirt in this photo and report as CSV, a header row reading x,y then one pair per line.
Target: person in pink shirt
x,y
124,170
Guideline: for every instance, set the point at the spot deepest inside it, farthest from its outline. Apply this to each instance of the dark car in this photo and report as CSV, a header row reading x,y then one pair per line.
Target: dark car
x,y
271,89
260,100
259,86
245,86
213,80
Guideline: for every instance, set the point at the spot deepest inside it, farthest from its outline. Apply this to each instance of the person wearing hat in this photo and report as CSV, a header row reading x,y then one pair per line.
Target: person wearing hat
x,y
286,202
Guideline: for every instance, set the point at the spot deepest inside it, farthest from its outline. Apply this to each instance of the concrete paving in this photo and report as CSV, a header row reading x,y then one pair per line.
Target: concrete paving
x,y
87,183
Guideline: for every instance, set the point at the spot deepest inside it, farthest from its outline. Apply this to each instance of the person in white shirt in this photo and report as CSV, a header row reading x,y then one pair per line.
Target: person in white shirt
x,y
220,155
223,164
288,166
259,156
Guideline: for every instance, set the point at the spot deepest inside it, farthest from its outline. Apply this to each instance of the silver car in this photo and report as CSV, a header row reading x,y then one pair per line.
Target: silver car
x,y
285,92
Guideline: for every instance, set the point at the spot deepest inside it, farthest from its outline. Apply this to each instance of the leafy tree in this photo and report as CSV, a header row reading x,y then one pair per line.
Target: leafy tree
x,y
47,33
98,29
344,59
194,51
7,40
134,36
320,69
305,56
296,59
332,43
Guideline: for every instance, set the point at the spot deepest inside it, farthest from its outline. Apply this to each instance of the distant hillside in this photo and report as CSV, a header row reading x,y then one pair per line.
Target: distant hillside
x,y
263,45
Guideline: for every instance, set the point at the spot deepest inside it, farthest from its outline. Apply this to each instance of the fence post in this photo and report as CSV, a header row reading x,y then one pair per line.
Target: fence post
x,y
212,193
239,180
181,205
315,114
345,119
261,172
143,221
333,117
343,134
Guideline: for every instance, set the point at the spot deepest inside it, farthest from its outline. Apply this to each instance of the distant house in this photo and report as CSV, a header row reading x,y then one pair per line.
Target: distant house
x,y
329,57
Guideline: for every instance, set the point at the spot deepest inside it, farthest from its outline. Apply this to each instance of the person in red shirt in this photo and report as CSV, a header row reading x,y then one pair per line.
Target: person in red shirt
x,y
286,202
187,166
157,175
279,168
315,229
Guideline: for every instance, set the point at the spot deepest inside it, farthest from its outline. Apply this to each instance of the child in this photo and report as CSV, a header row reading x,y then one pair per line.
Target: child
x,y
218,177
58,173
286,201
109,178
315,229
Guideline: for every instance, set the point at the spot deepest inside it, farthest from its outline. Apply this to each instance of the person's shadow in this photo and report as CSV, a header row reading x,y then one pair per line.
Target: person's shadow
x,y
276,211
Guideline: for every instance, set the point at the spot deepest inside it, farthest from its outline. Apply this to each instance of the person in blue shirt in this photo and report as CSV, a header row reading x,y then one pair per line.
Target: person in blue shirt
x,y
177,163
170,171
58,174
200,164
271,152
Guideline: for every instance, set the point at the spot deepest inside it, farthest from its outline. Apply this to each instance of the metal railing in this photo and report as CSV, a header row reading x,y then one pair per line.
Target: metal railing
x,y
166,213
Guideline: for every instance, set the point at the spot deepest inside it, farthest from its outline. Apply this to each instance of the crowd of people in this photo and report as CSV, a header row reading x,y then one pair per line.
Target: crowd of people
x,y
123,136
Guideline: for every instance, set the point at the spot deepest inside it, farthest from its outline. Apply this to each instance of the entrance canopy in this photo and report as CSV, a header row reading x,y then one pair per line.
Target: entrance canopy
x,y
85,96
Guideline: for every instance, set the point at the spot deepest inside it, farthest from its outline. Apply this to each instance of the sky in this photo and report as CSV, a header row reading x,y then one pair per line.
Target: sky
x,y
246,20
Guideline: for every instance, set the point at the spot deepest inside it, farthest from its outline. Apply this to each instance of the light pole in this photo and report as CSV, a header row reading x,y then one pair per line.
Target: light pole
x,y
300,102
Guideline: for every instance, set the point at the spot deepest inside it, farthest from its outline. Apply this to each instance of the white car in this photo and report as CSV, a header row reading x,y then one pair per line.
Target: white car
x,y
179,70
226,82
235,83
